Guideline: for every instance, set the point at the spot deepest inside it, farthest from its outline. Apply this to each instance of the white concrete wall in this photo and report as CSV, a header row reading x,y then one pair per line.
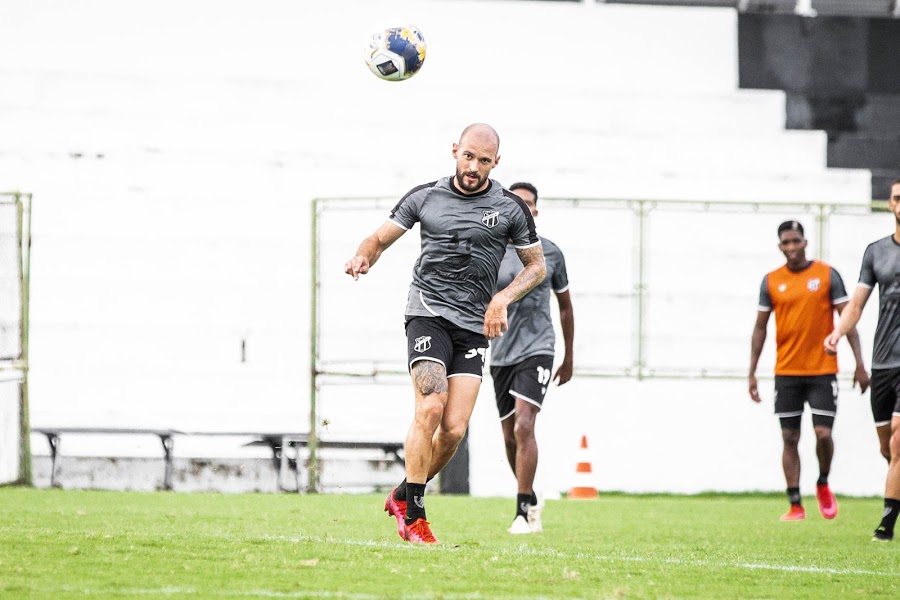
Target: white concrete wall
x,y
173,148
9,430
340,474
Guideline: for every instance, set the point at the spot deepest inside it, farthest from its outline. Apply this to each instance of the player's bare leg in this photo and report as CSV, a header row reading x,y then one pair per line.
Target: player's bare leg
x,y
508,425
790,462
431,390
526,459
828,505
462,394
526,452
824,448
522,455
790,457
884,440
892,487
432,396
885,530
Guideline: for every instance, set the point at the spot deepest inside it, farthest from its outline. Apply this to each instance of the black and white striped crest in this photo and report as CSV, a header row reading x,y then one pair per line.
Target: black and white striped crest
x,y
423,343
490,217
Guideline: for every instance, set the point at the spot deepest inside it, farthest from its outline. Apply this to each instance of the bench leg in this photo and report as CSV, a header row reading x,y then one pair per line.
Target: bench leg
x,y
53,440
168,444
297,472
283,467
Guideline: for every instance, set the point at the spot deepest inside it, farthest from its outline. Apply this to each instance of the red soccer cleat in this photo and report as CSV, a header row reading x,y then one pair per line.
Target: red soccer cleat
x,y
420,532
396,509
797,513
828,505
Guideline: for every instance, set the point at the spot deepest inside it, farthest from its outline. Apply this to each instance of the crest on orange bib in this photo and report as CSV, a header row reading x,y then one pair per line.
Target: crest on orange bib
x,y
813,284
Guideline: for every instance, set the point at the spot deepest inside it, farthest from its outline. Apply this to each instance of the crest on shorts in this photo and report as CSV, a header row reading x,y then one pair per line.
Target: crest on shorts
x,y
490,217
813,284
422,343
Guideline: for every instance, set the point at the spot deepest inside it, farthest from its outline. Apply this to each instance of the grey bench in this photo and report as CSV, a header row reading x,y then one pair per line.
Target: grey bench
x,y
275,441
53,435
278,442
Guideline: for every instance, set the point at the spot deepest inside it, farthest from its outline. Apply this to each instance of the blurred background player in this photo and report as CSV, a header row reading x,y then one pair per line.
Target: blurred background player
x,y
881,265
522,360
803,294
465,221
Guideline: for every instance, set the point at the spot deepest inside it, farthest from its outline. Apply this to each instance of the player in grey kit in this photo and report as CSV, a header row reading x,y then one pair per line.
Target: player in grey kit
x,y
881,265
522,361
466,221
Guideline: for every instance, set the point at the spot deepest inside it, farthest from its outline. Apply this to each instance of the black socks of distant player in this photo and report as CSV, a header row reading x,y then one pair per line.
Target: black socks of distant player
x,y
891,510
823,479
415,503
523,501
794,495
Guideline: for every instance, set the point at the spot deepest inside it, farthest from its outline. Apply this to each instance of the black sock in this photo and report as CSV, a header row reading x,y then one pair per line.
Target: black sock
x,y
823,479
415,504
533,498
891,509
400,491
794,496
522,503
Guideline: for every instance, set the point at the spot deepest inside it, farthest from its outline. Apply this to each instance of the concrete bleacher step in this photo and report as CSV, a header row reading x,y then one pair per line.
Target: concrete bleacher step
x,y
701,152
142,106
881,113
882,182
705,3
856,8
832,186
584,44
864,150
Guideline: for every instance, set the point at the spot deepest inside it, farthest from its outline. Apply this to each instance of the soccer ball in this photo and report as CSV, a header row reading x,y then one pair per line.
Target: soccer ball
x,y
397,53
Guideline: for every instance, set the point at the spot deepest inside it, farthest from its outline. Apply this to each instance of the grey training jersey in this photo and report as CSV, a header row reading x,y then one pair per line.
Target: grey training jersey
x,y
463,241
881,265
530,325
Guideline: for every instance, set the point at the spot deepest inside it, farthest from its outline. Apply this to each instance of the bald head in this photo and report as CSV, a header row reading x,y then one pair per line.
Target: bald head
x,y
476,154
481,134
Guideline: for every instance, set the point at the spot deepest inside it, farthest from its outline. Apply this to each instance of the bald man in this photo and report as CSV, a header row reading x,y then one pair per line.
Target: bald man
x,y
452,311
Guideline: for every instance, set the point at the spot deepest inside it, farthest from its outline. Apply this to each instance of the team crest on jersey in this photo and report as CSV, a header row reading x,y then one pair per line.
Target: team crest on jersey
x,y
490,218
422,343
782,287
813,284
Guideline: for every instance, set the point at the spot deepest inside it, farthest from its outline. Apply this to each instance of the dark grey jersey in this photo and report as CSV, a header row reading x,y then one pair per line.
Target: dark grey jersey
x,y
530,324
881,265
463,242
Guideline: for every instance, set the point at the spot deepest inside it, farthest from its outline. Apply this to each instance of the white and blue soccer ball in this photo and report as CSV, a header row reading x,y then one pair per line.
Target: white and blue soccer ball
x,y
396,53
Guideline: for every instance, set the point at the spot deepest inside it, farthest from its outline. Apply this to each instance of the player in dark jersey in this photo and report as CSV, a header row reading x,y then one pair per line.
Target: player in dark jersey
x,y
452,311
803,294
881,266
522,361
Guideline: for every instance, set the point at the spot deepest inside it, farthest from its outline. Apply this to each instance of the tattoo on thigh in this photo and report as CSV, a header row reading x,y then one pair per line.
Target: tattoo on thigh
x,y
430,377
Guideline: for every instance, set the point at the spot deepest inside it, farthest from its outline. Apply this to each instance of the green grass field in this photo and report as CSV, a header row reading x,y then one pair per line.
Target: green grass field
x,y
73,544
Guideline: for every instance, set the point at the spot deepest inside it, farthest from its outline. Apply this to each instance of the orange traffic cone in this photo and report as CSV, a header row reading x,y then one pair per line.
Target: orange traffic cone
x,y
584,482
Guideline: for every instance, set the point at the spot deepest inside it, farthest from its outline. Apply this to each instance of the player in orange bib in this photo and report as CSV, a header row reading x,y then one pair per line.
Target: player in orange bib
x,y
803,294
